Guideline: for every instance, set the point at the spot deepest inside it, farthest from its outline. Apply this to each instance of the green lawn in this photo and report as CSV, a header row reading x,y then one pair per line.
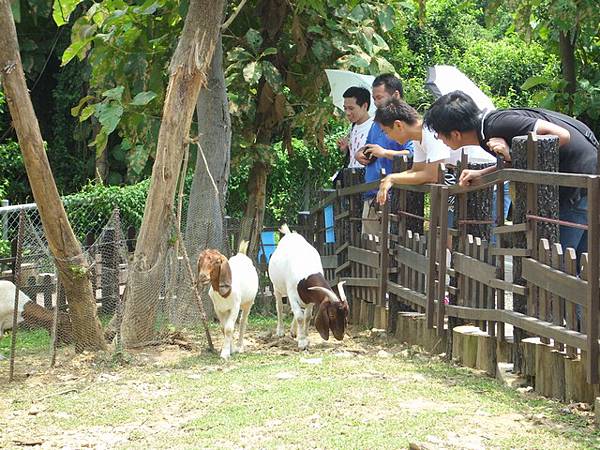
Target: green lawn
x,y
363,393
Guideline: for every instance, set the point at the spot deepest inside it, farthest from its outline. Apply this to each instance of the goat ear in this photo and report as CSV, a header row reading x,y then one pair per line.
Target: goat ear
x,y
322,320
224,278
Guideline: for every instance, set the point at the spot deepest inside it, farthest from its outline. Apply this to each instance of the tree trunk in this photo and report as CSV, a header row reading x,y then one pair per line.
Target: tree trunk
x,y
270,113
188,74
255,209
568,64
206,211
71,264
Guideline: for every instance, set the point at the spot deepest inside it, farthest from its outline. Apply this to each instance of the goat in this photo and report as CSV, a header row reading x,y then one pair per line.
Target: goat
x,y
7,305
233,286
31,314
296,272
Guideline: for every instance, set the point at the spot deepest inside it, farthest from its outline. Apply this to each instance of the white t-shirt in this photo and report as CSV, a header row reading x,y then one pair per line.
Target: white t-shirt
x,y
475,155
358,139
431,149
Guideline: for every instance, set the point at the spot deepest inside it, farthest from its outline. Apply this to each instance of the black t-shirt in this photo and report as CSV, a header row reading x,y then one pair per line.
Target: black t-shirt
x,y
578,156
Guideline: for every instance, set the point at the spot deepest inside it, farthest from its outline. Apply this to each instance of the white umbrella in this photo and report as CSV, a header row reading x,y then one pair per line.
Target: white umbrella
x,y
340,80
444,79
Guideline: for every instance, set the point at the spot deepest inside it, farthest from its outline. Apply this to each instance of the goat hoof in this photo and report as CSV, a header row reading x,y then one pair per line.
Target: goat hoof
x,y
303,344
279,333
225,355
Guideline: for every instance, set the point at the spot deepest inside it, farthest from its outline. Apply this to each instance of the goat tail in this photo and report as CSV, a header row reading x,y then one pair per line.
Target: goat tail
x,y
243,248
285,229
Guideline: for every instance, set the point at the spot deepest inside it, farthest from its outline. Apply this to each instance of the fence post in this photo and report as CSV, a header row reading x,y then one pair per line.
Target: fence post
x,y
384,253
532,152
432,250
442,258
593,294
17,269
4,220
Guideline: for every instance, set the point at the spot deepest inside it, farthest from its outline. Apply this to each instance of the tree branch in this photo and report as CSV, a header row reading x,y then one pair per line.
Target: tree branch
x,y
229,21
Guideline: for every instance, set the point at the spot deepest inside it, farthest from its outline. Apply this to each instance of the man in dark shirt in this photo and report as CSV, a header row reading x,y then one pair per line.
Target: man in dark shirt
x,y
458,121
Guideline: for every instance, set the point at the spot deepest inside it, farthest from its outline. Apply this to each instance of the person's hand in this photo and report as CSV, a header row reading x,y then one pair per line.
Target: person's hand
x,y
384,187
469,177
343,144
499,146
361,157
375,150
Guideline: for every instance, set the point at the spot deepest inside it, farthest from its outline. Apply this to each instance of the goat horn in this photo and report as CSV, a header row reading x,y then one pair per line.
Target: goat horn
x,y
341,290
326,291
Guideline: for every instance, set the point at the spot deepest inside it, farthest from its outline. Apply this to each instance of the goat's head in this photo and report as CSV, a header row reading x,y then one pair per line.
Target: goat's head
x,y
213,268
333,312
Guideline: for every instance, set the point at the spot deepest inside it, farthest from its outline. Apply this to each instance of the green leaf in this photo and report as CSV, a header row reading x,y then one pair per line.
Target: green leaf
x,y
272,75
357,14
534,81
100,142
269,51
143,98
62,9
380,43
315,29
239,54
75,109
321,49
254,39
386,18
109,115
252,73
114,93
87,112
149,7
385,66
78,48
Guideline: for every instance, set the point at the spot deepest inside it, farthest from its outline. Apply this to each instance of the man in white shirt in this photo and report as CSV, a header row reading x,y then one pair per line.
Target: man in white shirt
x,y
357,101
401,122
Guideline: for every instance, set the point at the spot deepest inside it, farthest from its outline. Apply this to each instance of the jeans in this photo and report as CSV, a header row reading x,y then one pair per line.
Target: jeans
x,y
574,237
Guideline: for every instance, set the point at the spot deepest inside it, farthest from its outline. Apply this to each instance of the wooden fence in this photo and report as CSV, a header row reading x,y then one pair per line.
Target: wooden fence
x,y
405,265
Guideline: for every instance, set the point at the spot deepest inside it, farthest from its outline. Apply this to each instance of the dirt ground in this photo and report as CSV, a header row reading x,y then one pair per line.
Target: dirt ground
x,y
153,405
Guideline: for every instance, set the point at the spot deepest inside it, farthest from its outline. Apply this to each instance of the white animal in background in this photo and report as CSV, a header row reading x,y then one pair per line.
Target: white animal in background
x,y
7,305
233,286
296,271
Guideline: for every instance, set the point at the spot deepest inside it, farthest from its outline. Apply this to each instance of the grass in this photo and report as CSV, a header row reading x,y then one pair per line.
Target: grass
x,y
28,342
275,397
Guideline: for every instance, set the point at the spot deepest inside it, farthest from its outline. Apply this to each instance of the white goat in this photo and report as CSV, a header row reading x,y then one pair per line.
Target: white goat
x,y
296,271
7,305
233,286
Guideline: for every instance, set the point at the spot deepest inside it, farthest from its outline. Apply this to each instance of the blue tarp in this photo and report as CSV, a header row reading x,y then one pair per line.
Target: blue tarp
x,y
329,229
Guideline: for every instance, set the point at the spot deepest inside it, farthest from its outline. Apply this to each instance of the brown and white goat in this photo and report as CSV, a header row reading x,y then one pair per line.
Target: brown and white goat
x,y
233,286
296,271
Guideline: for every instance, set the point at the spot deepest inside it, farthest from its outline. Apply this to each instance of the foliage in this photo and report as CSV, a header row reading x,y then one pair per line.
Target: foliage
x,y
14,184
128,47
287,193
578,20
454,32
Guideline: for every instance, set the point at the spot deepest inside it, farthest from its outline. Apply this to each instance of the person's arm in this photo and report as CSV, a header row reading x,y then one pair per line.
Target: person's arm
x,y
420,173
380,152
472,177
542,127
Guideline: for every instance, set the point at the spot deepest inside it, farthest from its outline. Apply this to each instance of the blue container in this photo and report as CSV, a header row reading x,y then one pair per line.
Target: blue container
x,y
329,225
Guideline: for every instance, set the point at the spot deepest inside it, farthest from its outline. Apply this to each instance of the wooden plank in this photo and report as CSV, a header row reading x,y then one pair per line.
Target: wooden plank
x,y
558,303
325,202
431,272
361,282
477,270
362,256
412,259
571,308
567,286
593,292
503,229
444,206
329,261
342,247
343,267
384,255
541,177
408,295
522,252
342,215
533,325
508,287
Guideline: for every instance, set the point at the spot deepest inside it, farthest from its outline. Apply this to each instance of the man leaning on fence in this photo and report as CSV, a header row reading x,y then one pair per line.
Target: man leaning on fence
x,y
495,130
